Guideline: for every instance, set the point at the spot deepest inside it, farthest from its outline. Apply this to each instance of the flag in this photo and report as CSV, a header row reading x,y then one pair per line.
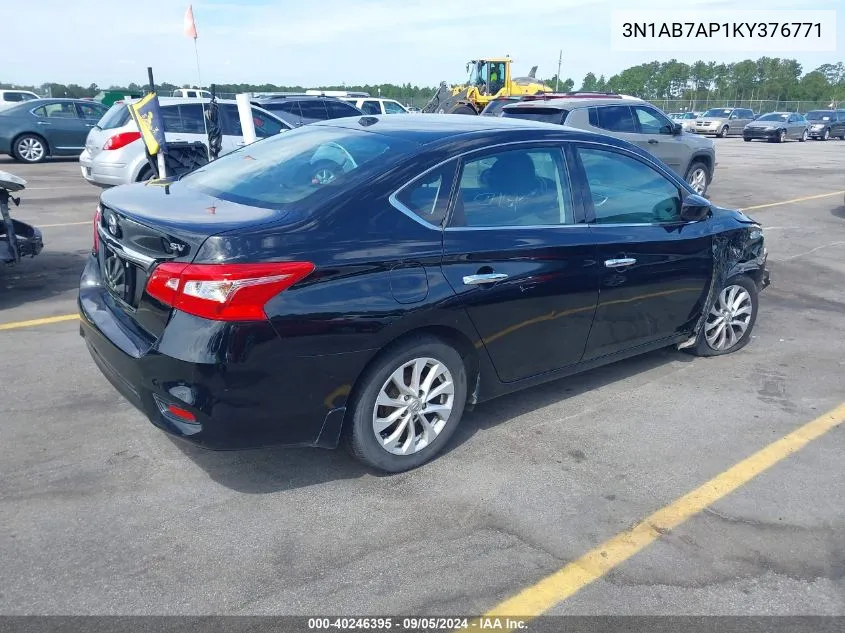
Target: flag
x,y
190,26
147,116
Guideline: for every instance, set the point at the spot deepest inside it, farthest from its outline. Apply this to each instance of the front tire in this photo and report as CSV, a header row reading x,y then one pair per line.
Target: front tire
x,y
30,148
826,135
730,321
723,132
782,136
803,136
407,405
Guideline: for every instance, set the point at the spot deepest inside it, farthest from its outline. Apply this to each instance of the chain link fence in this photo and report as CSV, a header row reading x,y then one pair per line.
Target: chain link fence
x,y
760,106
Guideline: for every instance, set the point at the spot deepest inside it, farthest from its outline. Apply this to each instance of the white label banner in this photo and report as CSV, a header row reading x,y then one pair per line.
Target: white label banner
x,y
788,31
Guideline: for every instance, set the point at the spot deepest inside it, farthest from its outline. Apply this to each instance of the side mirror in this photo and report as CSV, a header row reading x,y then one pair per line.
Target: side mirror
x,y
695,208
677,128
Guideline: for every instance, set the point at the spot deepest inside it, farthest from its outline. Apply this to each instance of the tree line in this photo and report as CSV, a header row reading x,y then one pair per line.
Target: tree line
x,y
767,78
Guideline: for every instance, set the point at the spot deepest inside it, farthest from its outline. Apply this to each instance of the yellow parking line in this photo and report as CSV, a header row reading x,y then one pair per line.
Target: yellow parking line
x,y
47,226
804,199
16,325
539,598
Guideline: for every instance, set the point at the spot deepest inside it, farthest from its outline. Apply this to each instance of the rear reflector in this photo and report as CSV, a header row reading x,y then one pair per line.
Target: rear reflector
x,y
224,292
182,414
121,140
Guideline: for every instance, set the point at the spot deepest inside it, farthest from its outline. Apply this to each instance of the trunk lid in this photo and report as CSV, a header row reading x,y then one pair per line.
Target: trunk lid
x,y
144,224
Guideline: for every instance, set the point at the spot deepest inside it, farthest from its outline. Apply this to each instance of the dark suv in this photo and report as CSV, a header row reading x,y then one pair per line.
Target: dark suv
x,y
691,156
303,109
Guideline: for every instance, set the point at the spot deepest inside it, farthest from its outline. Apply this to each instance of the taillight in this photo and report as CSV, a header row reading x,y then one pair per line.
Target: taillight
x,y
121,140
224,292
97,215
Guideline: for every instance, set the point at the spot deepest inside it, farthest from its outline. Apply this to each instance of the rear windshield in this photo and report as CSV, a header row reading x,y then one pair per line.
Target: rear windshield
x,y
496,106
545,115
312,160
819,115
117,116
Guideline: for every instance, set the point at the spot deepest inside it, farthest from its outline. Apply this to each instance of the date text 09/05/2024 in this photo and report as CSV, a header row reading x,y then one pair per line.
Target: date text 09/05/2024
x,y
722,29
418,624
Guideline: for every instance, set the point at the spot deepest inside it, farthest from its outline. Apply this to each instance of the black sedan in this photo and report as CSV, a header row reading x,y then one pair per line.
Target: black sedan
x,y
363,280
34,130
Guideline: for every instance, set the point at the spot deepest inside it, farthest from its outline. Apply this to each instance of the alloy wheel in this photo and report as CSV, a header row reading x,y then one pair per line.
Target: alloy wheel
x,y
826,135
413,406
729,318
782,136
30,149
697,179
804,135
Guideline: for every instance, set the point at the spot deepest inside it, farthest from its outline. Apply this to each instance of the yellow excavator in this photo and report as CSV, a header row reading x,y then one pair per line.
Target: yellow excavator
x,y
488,79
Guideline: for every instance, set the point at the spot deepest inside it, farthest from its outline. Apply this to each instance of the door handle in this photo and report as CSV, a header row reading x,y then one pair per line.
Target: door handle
x,y
487,278
44,123
620,263
652,141
89,125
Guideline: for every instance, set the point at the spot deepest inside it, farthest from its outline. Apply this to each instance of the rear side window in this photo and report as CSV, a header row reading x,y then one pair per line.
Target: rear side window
x,y
535,113
314,109
616,119
192,118
17,96
339,109
117,116
370,107
428,196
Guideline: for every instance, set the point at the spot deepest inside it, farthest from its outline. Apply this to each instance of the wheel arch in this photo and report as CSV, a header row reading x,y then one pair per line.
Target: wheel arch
x,y
701,157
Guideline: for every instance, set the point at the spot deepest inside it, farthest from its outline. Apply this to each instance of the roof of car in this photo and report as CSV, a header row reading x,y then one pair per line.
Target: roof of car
x,y
571,102
294,97
447,129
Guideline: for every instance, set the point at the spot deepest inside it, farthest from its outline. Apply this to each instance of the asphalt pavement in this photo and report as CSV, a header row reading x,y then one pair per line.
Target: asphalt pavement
x,y
101,513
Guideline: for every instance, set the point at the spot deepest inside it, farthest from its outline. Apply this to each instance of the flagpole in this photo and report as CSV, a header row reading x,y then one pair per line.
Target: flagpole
x,y
202,103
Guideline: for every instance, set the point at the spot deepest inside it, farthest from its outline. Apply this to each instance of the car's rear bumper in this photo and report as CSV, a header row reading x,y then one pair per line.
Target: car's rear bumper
x,y
258,398
104,173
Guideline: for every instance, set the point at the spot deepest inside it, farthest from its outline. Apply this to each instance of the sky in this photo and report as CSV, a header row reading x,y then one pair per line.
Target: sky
x,y
330,42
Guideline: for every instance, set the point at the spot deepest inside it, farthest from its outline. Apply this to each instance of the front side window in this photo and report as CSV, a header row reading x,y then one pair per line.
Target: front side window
x,y
627,191
652,122
310,161
616,119
313,109
340,109
192,118
519,187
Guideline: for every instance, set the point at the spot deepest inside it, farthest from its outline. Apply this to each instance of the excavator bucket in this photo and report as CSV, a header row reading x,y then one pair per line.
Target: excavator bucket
x,y
444,102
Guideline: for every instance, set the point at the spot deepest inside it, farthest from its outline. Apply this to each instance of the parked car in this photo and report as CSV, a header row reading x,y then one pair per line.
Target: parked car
x,y
11,98
303,109
191,93
777,127
33,130
496,106
723,122
376,105
826,123
364,279
114,152
686,119
634,120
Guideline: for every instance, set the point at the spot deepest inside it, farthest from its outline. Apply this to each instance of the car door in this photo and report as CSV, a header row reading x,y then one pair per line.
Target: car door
x,y
520,258
656,136
838,125
655,269
739,118
796,125
61,125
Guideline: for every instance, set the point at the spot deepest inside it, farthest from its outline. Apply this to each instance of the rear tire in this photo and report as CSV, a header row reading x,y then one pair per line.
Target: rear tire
x,y
737,300
145,175
30,148
746,139
463,109
431,431
698,177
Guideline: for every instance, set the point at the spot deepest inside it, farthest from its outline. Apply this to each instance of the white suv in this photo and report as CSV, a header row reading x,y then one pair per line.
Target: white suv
x,y
114,152
9,98
376,105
